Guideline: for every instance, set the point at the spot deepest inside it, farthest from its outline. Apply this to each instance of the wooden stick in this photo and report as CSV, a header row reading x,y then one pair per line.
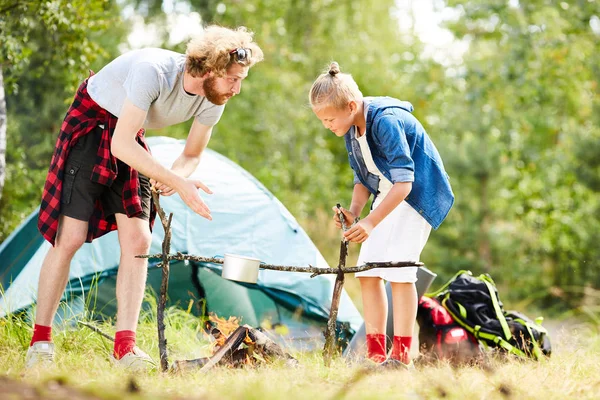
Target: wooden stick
x,y
97,330
164,284
231,344
268,347
330,337
308,269
185,365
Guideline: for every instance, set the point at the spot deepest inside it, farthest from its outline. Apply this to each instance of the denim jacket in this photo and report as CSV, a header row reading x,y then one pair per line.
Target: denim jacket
x,y
403,152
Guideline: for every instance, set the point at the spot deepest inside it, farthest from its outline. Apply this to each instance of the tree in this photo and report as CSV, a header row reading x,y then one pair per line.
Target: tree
x,y
514,112
270,129
2,133
47,47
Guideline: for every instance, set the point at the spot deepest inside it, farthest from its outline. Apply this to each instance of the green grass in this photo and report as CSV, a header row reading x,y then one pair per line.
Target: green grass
x,y
83,369
82,364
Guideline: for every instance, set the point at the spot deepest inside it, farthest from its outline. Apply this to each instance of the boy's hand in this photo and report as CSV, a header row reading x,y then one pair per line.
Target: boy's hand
x,y
348,217
359,232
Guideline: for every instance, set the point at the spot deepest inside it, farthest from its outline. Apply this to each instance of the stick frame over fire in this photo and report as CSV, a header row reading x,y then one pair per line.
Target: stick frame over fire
x,y
329,349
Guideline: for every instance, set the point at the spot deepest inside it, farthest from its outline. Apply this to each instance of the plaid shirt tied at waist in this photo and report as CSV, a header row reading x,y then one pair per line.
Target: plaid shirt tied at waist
x,y
83,116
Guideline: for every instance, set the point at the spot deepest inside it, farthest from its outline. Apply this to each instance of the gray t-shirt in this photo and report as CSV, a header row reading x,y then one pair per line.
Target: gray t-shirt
x,y
152,79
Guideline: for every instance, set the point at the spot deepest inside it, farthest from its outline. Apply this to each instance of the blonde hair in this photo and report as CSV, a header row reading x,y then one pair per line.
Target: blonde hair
x,y
334,89
211,50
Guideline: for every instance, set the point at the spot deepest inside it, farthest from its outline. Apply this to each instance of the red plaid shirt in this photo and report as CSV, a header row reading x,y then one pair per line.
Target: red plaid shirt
x,y
83,116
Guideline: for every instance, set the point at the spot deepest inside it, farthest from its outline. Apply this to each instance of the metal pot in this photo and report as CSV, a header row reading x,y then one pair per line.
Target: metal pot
x,y
240,268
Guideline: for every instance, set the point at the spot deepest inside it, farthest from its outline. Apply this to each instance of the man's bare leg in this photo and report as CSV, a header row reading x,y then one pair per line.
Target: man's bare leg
x,y
135,239
54,274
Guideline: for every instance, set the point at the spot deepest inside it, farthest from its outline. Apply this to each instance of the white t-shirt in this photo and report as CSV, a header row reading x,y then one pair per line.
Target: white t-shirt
x,y
152,79
402,234
385,185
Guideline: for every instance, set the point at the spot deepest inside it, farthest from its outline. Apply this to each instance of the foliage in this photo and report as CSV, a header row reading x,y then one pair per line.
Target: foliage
x,y
520,145
58,29
48,47
516,120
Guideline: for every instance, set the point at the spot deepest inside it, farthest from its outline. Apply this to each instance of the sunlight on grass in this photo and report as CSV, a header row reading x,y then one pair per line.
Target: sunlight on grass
x,y
82,362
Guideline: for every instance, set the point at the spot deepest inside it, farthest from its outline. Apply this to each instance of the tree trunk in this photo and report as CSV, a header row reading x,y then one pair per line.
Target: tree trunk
x,y
3,118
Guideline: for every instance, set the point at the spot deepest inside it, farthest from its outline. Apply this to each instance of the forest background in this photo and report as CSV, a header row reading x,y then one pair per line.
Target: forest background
x,y
512,104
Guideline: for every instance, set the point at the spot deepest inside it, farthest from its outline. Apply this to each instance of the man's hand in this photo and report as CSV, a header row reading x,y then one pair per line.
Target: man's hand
x,y
348,217
161,188
359,232
188,191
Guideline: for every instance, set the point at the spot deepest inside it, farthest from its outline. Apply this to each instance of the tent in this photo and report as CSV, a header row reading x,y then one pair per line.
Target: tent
x,y
247,220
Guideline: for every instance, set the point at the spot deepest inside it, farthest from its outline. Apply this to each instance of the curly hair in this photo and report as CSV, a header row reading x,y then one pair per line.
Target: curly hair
x,y
210,51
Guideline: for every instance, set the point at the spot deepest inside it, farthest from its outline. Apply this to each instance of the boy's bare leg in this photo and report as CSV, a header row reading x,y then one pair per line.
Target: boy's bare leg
x,y
375,307
54,274
135,239
404,298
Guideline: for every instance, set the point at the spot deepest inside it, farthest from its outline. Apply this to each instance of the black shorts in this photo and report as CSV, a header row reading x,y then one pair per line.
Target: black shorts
x,y
79,193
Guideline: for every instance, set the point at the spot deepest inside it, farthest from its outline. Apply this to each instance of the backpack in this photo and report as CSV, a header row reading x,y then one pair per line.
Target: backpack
x,y
473,303
440,337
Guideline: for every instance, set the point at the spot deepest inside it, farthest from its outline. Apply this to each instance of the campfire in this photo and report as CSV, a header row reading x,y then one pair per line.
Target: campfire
x,y
236,346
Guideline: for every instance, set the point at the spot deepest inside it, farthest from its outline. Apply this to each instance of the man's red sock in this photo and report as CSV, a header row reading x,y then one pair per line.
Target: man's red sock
x,y
124,343
401,348
376,347
41,333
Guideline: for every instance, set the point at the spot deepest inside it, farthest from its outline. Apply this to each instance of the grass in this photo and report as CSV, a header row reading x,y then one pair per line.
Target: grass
x,y
83,369
82,366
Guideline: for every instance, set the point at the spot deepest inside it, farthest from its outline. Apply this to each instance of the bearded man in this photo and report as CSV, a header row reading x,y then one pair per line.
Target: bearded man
x,y
101,172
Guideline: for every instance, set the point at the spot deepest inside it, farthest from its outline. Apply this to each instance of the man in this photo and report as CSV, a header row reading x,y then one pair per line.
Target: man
x,y
101,172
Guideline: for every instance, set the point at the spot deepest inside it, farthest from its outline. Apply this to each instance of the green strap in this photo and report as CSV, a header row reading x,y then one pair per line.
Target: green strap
x,y
443,288
507,346
537,351
499,312
487,337
487,278
462,311
457,319
528,324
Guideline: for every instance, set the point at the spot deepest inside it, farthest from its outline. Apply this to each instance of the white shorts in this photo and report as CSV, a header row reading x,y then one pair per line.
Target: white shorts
x,y
401,236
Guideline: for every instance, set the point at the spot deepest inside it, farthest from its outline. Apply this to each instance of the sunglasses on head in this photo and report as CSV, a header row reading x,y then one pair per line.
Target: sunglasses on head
x,y
241,54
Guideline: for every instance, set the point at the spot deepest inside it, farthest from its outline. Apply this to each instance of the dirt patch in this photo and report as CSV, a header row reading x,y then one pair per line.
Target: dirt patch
x,y
54,389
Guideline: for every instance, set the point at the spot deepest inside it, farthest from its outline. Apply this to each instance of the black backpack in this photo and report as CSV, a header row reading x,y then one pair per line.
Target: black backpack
x,y
441,337
473,303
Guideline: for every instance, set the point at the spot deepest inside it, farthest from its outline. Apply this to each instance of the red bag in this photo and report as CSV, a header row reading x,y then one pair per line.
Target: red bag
x,y
440,337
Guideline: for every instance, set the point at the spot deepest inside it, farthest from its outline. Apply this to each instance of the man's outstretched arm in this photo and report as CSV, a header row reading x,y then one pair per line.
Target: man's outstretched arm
x,y
188,160
125,147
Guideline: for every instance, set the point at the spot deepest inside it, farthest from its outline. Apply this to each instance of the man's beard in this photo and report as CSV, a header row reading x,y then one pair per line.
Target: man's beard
x,y
212,94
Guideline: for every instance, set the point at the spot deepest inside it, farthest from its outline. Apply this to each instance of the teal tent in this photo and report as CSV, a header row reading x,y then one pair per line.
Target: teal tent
x,y
247,220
